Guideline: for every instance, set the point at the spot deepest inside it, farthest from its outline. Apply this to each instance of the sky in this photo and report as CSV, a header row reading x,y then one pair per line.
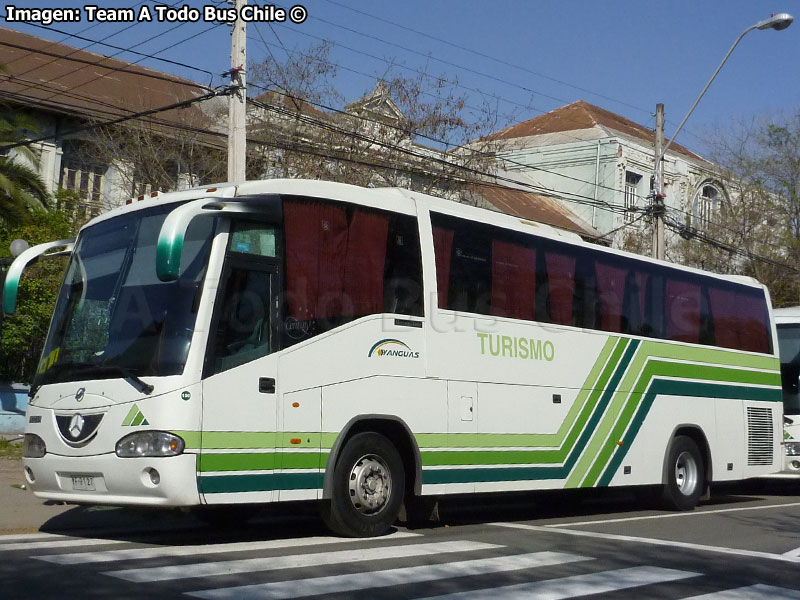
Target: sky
x,y
525,57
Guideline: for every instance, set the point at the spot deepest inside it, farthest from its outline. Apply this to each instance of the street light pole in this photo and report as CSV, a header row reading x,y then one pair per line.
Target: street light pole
x,y
777,22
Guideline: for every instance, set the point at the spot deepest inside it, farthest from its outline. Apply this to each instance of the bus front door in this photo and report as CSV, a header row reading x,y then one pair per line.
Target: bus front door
x,y
238,462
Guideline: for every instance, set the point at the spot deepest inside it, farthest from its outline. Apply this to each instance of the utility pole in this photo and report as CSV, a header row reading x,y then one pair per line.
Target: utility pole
x,y
657,205
237,101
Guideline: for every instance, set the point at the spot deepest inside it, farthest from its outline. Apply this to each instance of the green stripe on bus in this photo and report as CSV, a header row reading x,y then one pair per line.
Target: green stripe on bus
x,y
656,369
221,484
612,373
258,461
626,400
683,388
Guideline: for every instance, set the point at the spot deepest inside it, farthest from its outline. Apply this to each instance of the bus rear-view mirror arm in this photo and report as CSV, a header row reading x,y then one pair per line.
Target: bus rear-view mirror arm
x,y
31,255
170,239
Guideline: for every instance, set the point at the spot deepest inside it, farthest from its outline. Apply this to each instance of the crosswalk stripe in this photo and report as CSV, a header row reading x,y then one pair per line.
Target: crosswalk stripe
x,y
273,563
81,558
60,542
377,579
575,586
21,537
751,592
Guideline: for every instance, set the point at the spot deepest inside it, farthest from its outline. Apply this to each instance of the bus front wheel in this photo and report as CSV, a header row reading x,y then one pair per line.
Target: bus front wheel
x,y
685,475
368,487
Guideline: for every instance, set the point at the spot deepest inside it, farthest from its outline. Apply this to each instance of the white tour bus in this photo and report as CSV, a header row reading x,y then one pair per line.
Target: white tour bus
x,y
292,340
787,322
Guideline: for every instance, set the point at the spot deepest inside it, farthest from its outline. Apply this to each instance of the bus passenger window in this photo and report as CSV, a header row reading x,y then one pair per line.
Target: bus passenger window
x,y
344,262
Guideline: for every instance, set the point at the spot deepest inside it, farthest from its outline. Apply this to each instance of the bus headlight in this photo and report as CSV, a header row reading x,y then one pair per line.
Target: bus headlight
x,y
792,448
150,443
33,446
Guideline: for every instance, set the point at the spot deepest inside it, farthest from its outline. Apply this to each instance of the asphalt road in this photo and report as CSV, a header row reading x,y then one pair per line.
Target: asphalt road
x,y
742,544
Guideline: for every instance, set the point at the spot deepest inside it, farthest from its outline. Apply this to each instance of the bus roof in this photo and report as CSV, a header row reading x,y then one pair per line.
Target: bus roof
x,y
787,315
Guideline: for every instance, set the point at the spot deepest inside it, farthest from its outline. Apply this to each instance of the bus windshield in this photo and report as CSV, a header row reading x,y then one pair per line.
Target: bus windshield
x,y
789,342
114,317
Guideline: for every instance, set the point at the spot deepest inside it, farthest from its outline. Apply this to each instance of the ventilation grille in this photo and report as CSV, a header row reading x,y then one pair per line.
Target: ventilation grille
x,y
759,436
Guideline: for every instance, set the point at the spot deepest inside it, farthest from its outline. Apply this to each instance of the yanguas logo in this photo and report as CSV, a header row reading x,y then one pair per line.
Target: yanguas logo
x,y
390,347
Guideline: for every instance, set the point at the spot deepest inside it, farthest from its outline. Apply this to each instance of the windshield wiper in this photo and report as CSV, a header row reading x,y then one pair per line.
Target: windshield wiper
x,y
86,367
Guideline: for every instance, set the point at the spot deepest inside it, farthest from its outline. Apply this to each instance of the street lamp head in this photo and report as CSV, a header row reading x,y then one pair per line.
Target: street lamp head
x,y
776,22
18,246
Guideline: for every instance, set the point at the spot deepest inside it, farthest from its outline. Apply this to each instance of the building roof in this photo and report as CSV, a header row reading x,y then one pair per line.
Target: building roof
x,y
534,207
290,103
63,79
582,115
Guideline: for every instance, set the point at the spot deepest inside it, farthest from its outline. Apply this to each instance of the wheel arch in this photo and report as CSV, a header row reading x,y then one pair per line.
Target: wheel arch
x,y
392,428
696,434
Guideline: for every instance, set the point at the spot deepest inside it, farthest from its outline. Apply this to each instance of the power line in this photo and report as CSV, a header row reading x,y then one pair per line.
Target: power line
x,y
594,202
422,73
682,230
183,103
324,125
483,55
143,55
69,35
159,51
142,73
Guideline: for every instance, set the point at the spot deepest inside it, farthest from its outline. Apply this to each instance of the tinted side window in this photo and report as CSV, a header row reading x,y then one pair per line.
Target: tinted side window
x,y
491,270
739,317
344,262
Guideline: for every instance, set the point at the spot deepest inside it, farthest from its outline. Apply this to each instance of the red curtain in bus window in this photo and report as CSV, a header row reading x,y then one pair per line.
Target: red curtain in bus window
x,y
754,334
443,250
364,264
611,289
641,278
683,311
513,280
561,286
740,320
724,312
316,242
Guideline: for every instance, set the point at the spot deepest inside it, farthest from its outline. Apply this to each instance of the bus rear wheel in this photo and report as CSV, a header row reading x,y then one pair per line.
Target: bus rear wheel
x,y
368,487
685,475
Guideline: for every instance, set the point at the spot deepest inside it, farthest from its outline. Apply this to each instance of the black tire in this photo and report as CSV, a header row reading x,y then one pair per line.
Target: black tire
x,y
368,487
685,475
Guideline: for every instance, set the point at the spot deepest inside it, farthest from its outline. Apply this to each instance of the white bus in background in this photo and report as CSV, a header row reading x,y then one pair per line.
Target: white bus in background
x,y
364,348
787,323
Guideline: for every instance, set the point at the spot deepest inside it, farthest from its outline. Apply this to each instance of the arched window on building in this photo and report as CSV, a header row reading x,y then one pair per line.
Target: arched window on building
x,y
706,204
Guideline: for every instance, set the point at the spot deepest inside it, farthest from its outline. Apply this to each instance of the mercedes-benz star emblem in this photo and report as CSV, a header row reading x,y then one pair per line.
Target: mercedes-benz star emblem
x,y
79,394
76,425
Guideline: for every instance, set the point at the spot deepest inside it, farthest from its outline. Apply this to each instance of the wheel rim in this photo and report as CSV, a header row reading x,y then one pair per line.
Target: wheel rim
x,y
370,484
687,473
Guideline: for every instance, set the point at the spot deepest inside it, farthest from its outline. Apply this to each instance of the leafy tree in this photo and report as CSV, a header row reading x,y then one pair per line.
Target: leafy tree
x,y
21,187
756,230
23,334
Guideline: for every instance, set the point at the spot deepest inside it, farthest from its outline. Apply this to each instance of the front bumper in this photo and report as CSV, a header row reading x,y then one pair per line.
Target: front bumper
x,y
110,480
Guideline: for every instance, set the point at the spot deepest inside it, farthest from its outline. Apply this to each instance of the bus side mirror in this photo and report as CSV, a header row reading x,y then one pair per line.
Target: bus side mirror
x,y
31,255
169,247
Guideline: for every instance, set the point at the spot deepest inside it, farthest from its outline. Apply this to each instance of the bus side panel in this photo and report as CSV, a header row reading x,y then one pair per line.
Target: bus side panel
x,y
643,460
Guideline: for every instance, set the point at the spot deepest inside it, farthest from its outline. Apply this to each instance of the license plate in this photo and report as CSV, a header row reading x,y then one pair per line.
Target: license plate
x,y
83,483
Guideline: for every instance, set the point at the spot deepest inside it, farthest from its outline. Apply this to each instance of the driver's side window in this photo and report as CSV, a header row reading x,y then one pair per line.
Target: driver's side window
x,y
243,329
